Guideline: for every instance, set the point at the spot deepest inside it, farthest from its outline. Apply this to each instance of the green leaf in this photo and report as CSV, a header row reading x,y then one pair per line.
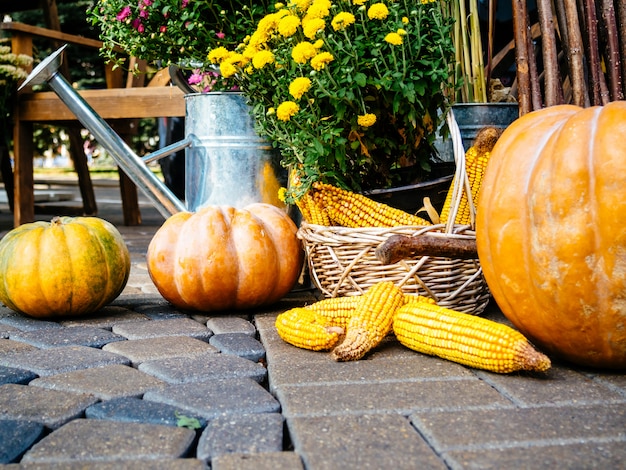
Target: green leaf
x,y
183,421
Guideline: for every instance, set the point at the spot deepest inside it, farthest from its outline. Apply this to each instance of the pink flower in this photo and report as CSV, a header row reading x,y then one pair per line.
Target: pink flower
x,y
220,35
143,14
184,3
195,78
147,2
123,14
138,25
163,29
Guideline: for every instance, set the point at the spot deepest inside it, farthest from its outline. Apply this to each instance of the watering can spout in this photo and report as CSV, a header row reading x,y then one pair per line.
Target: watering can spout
x,y
160,196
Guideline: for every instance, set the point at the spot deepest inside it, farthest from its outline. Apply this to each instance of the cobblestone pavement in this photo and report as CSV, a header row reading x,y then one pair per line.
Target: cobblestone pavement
x,y
143,385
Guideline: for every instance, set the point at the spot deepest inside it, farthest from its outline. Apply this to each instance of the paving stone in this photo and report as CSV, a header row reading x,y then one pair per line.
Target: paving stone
x,y
261,461
52,408
578,455
245,434
120,463
559,386
154,329
613,380
202,368
238,344
5,330
135,410
142,350
16,437
375,369
105,382
44,362
468,429
217,398
160,311
101,441
106,318
80,335
360,442
386,397
12,375
8,346
222,325
24,323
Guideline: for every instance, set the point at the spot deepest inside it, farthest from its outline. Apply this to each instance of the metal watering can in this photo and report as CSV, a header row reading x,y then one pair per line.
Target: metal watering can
x,y
225,161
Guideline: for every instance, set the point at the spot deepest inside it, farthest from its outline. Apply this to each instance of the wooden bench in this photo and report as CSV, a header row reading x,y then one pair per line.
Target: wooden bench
x,y
123,102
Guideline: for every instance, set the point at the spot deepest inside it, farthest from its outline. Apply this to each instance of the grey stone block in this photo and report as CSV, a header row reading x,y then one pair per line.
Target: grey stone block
x,y
244,434
238,344
223,325
261,461
49,407
8,346
142,350
24,323
358,442
16,437
93,440
77,336
62,359
386,397
5,330
202,368
11,375
160,311
576,455
217,398
135,410
121,463
106,318
105,382
156,328
559,386
470,429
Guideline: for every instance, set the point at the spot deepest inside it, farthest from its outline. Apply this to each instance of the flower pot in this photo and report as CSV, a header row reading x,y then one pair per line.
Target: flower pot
x,y
228,163
472,117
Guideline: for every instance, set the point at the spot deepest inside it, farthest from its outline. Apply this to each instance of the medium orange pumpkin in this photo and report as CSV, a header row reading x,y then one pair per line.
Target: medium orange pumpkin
x,y
221,258
66,267
551,231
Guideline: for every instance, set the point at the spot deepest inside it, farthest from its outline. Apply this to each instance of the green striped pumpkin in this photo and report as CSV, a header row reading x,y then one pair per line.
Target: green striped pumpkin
x,y
66,267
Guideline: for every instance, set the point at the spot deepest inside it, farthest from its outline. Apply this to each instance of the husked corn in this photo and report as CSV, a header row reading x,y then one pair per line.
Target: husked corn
x,y
307,329
466,339
371,321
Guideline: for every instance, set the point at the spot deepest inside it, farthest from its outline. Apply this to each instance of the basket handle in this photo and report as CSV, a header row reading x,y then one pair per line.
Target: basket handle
x,y
460,174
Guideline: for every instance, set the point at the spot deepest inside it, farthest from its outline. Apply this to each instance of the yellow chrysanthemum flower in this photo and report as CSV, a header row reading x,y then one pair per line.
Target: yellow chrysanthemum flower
x,y
282,192
378,11
299,87
424,2
318,44
358,2
217,55
405,20
301,5
262,58
394,38
227,69
288,25
342,20
366,120
286,110
319,9
320,60
303,51
311,26
401,32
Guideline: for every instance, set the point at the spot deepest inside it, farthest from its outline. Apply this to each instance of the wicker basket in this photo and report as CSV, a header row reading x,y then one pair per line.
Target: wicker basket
x,y
342,260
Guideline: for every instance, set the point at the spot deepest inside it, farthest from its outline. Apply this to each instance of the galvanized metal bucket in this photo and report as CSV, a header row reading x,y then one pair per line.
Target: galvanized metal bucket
x,y
227,163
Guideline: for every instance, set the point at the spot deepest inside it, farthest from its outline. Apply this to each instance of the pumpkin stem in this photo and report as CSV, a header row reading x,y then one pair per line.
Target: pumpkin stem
x,y
56,220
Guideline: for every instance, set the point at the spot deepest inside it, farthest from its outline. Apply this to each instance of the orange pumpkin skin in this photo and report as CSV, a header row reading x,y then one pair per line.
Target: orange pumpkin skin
x,y
64,268
551,231
222,258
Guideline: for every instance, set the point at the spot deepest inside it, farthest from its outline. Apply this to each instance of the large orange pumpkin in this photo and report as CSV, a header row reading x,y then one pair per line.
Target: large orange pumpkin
x,y
551,231
222,258
67,267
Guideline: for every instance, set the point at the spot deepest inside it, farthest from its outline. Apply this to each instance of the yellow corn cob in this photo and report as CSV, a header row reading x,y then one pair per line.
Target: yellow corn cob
x,y
476,159
311,212
307,329
466,339
371,321
354,210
